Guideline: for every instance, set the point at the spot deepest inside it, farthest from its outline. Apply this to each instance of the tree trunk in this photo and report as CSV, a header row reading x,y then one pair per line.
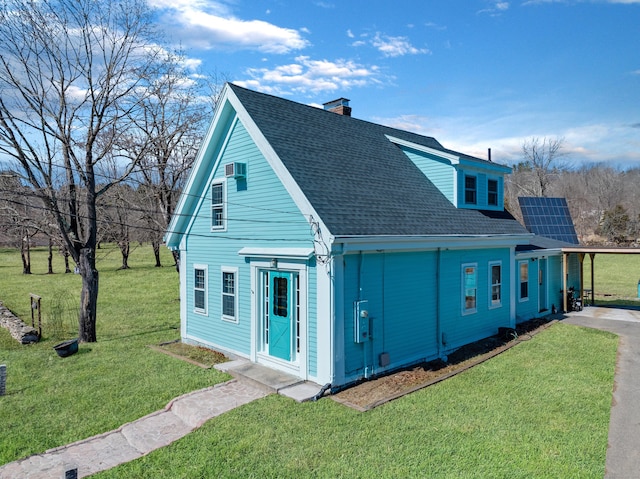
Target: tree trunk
x,y
124,250
50,258
176,258
156,253
67,269
25,252
88,296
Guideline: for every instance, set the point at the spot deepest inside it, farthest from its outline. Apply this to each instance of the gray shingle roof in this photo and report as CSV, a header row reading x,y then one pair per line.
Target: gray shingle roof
x,y
356,179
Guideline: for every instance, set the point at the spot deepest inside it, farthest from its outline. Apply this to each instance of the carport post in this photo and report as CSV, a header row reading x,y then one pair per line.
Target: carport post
x,y
593,291
581,258
565,273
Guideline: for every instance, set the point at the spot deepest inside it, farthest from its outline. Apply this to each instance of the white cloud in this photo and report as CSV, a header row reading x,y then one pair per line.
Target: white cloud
x,y
395,46
350,33
496,8
422,125
571,2
311,76
614,144
435,26
206,24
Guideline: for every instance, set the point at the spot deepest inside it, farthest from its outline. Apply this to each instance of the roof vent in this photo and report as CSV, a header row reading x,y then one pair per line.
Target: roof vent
x,y
339,106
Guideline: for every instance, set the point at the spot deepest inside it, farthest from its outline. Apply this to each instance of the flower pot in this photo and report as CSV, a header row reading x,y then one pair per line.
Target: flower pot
x,y
67,348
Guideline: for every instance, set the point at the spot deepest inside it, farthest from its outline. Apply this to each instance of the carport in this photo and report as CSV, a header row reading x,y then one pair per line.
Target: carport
x,y
582,251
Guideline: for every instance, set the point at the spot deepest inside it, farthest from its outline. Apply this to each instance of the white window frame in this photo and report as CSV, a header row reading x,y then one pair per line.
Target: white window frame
x,y
234,271
475,190
223,225
466,310
520,297
492,303
205,289
489,192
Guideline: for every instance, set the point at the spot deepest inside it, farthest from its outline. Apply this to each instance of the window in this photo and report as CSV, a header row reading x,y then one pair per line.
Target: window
x,y
217,206
280,297
495,280
229,294
469,287
524,280
200,289
470,189
492,192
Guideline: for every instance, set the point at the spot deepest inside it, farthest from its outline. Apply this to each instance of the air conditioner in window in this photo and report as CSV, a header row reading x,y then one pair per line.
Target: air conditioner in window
x,y
235,170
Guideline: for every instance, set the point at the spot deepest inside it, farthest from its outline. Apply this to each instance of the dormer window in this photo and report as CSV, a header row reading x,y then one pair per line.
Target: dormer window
x,y
470,190
492,192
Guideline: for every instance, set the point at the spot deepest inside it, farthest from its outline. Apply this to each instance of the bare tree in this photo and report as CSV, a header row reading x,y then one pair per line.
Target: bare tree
x,y
534,175
71,73
175,112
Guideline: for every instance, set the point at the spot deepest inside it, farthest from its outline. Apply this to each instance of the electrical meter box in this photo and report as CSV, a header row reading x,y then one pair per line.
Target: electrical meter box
x,y
361,321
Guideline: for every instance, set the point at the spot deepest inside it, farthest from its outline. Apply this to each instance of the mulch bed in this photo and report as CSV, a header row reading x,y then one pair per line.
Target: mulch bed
x,y
369,394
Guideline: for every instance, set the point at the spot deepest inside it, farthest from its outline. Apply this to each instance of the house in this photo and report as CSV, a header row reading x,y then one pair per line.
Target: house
x,y
336,249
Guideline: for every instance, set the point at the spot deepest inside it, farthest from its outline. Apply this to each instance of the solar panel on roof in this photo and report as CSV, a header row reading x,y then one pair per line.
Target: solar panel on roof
x,y
548,217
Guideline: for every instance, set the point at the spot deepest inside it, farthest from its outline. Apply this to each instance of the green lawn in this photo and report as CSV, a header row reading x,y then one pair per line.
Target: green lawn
x,y
616,278
51,401
539,410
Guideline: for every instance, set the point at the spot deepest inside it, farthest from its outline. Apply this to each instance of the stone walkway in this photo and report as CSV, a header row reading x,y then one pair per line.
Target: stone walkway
x,y
137,438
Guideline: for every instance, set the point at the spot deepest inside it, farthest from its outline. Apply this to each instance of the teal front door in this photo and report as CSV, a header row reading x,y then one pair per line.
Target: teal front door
x,y
281,314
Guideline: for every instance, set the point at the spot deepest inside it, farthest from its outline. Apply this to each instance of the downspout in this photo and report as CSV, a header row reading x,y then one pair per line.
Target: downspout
x,y
565,274
438,331
364,345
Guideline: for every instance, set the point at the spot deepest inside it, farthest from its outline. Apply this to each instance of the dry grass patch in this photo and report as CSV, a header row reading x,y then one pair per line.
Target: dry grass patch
x,y
201,356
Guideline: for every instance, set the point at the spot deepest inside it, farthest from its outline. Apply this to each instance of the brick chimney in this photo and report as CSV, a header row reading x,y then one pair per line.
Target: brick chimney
x,y
339,106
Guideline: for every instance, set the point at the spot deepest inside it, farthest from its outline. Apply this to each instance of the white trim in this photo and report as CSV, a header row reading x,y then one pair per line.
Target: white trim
x,y
466,311
328,310
489,179
337,318
223,226
475,189
451,156
453,159
201,311
357,244
182,272
236,293
298,367
279,253
498,304
456,188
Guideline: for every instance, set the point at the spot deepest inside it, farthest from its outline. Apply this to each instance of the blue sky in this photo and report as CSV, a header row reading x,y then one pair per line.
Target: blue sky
x,y
475,74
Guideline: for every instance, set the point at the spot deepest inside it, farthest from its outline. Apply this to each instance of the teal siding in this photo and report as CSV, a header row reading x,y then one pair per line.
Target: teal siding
x,y
482,189
527,308
259,213
457,327
405,301
439,171
555,281
402,309
531,308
